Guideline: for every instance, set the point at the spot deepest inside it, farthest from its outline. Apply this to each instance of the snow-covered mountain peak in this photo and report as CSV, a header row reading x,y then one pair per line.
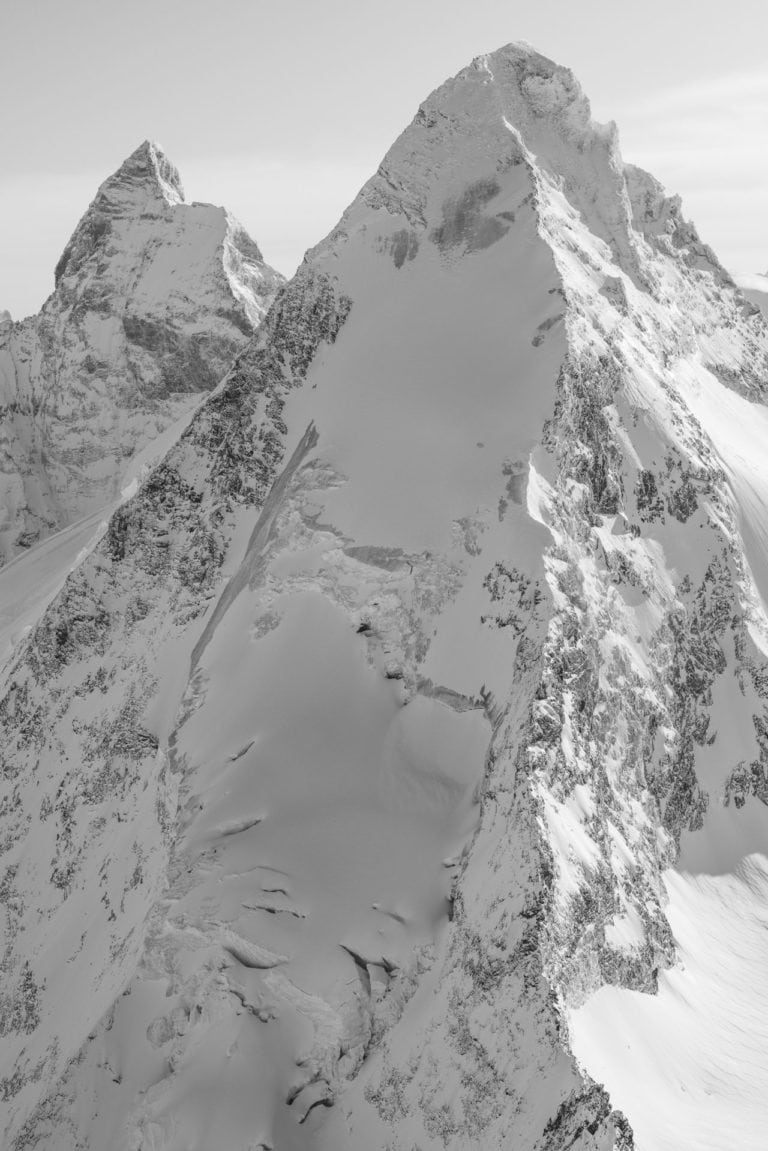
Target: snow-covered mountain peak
x,y
511,106
146,184
142,246
154,297
393,727
501,107
148,167
514,92
549,89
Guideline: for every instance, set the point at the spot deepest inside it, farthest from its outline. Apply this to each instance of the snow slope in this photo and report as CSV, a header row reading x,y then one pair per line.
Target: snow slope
x,y
688,1064
154,297
406,731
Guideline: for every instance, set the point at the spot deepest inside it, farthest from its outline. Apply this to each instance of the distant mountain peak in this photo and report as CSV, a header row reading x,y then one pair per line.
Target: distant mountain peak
x,y
153,298
148,167
145,183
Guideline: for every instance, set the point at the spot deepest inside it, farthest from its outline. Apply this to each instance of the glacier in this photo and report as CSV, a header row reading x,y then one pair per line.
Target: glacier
x,y
389,770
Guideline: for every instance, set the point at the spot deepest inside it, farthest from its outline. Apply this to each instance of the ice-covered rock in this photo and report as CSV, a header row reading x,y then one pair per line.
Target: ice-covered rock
x,y
391,773
154,297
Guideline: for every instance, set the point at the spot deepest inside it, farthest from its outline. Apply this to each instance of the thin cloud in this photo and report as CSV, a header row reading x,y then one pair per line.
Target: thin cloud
x,y
708,141
750,89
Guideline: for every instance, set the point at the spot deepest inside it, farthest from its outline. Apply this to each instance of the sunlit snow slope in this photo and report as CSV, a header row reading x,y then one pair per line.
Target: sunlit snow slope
x,y
154,297
390,774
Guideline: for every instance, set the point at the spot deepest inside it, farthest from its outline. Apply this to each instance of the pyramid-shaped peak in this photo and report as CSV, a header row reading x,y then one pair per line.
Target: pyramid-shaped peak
x,y
504,106
146,184
147,168
517,93
529,86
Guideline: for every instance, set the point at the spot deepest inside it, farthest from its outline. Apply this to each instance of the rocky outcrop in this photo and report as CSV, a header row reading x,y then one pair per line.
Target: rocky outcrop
x,y
154,297
351,766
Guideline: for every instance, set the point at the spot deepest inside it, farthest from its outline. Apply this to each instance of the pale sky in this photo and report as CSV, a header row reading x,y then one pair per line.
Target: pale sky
x,y
281,109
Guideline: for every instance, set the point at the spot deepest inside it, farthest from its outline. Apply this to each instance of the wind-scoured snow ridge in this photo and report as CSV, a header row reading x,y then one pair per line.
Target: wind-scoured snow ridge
x,y
154,298
381,778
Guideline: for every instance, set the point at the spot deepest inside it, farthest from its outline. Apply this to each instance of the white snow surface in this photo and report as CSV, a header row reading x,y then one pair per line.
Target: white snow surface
x,y
688,1064
389,772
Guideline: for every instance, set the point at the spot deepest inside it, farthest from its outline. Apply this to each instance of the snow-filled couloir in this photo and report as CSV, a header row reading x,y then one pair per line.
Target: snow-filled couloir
x,y
392,773
154,297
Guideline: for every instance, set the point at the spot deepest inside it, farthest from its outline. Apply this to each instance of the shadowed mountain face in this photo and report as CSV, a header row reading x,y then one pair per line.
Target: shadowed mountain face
x,y
154,297
390,771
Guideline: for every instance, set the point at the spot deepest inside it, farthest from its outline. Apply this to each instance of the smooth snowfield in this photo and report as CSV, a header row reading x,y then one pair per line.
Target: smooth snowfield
x,y
318,829
688,1065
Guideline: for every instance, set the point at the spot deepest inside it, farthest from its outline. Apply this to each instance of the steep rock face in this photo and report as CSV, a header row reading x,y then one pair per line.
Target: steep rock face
x,y
368,767
153,299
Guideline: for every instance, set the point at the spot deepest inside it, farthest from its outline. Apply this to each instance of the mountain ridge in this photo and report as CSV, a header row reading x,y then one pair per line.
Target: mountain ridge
x,y
431,668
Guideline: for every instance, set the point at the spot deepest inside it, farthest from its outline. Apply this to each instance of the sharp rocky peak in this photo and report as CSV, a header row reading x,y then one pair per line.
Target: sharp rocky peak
x,y
505,103
153,298
147,183
515,106
148,168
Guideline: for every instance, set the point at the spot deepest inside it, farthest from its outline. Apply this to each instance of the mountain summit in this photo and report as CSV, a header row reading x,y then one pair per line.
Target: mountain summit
x,y
154,297
392,773
147,166
147,182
